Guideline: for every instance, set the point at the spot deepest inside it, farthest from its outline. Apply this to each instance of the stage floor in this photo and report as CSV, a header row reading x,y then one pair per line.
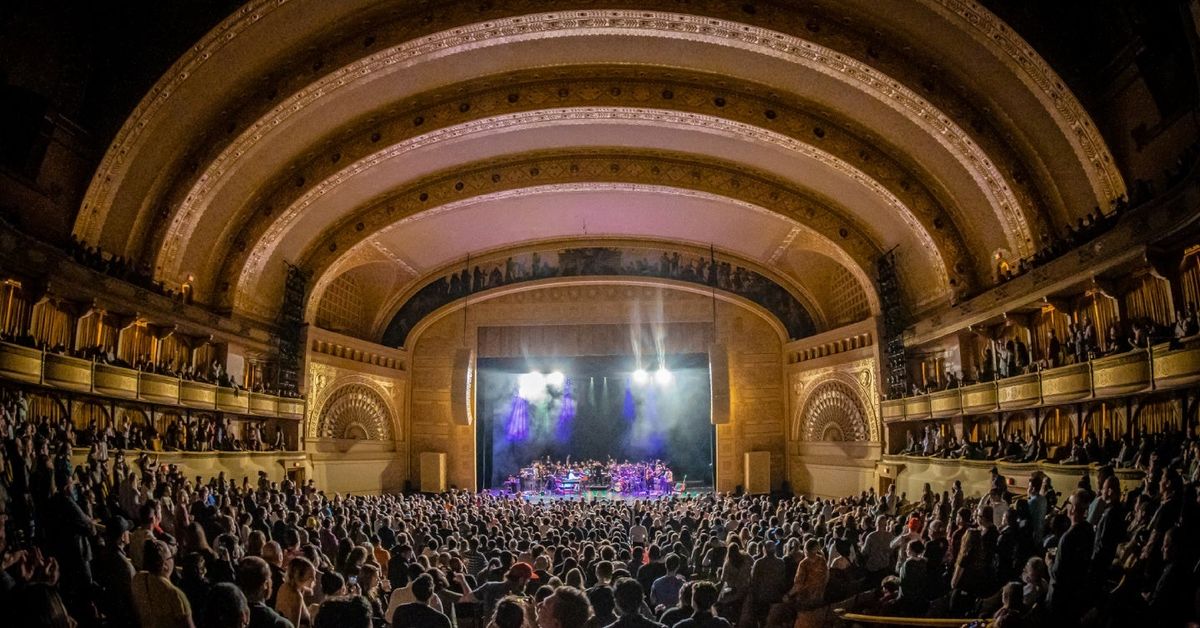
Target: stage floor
x,y
539,497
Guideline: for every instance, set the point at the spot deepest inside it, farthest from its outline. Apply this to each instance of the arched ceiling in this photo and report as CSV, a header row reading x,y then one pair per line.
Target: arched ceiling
x,y
310,132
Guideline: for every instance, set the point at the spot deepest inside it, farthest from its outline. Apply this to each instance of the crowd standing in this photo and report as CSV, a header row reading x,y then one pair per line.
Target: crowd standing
x,y
109,543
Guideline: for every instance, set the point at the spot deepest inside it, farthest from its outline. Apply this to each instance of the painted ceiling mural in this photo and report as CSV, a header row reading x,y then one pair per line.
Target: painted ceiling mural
x,y
602,261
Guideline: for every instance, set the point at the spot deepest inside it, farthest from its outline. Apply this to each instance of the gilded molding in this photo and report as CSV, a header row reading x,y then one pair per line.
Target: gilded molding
x,y
597,22
1024,60
264,248
690,96
98,198
325,380
858,376
598,168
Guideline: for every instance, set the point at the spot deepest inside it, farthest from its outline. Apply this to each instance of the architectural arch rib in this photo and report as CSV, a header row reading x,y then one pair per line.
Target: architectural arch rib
x,y
620,23
251,266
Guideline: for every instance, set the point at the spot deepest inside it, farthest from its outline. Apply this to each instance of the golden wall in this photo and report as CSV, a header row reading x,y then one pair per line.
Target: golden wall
x,y
834,435
352,384
755,365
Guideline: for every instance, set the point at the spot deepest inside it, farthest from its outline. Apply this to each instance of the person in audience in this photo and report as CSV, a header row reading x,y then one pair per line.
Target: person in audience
x,y
1068,571
704,598
254,579
344,612
604,606
418,613
565,608
297,585
225,607
156,602
1131,567
628,595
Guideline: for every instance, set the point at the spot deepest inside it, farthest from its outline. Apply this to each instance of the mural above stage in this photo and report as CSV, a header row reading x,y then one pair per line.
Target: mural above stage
x,y
602,261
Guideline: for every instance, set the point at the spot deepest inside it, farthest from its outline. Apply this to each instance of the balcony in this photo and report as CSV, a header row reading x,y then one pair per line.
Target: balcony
x,y
1158,368
75,375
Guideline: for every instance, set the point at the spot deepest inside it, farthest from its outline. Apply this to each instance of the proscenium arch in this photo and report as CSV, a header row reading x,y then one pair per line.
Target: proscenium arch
x,y
671,174
616,94
989,179
393,306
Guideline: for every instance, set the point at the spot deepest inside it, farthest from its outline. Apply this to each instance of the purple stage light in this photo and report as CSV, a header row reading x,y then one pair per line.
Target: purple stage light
x,y
518,418
567,412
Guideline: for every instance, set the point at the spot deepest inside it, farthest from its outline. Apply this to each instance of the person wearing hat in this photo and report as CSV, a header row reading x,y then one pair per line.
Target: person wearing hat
x,y
489,593
114,571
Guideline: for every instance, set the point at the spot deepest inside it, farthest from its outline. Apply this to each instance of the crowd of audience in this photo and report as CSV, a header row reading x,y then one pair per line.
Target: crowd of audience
x,y
1096,223
1003,358
113,265
215,373
1130,451
201,433
106,543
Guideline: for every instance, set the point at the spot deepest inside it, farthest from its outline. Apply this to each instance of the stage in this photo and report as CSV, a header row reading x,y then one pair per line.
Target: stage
x,y
537,497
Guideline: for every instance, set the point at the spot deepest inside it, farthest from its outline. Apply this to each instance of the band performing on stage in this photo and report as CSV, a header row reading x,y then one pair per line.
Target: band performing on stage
x,y
567,477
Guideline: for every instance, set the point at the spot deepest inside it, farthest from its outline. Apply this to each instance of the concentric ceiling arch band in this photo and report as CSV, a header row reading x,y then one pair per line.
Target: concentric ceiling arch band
x,y
917,110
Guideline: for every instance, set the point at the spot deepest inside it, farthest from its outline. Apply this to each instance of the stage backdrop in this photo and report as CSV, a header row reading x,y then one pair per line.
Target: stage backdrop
x,y
596,411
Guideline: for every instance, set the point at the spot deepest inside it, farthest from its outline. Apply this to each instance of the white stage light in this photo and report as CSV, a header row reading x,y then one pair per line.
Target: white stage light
x,y
556,379
531,385
662,376
640,377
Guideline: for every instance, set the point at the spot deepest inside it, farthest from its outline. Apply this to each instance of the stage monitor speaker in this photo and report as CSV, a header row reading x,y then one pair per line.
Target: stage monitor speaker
x,y
757,472
462,388
718,381
433,472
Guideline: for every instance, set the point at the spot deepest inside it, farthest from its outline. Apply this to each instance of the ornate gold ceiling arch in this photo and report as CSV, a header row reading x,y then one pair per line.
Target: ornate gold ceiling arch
x,y
706,31
812,36
265,235
679,101
529,174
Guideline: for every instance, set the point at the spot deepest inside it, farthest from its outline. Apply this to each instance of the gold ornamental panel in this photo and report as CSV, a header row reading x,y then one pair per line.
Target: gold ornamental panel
x,y
916,407
1121,374
61,371
290,408
979,398
115,381
1019,392
198,395
1066,383
158,388
230,400
945,403
20,363
263,405
1177,368
892,410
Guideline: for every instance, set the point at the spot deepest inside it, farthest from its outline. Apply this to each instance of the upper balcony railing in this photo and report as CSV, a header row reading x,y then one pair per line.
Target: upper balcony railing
x,y
1142,370
68,374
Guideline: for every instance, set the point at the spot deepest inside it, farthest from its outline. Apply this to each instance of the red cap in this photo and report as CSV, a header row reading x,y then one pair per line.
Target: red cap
x,y
522,570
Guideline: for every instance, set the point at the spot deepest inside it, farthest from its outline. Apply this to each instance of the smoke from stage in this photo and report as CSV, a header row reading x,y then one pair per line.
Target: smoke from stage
x,y
594,407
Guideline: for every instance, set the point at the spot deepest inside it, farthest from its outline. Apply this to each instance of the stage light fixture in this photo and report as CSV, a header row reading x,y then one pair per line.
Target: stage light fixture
x,y
531,385
662,376
640,377
556,379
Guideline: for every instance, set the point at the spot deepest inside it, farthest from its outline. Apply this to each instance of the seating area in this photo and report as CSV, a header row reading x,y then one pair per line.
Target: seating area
x,y
83,540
